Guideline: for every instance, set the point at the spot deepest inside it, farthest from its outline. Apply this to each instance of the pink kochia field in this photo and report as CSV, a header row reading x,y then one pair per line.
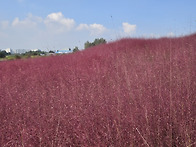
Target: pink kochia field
x,y
132,92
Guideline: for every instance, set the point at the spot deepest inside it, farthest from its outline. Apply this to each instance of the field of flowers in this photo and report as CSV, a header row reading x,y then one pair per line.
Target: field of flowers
x,y
132,92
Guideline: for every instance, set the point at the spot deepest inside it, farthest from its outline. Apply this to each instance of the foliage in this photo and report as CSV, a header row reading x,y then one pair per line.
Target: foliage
x,y
94,43
3,54
34,53
51,51
17,56
133,92
87,44
75,49
99,41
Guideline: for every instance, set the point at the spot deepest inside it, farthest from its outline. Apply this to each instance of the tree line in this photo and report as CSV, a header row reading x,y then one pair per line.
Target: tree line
x,y
94,43
87,44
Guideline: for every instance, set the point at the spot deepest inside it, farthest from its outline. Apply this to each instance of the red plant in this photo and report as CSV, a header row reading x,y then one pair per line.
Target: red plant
x,y
132,92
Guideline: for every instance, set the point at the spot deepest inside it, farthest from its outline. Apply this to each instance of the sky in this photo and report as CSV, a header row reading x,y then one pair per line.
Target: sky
x,y
61,24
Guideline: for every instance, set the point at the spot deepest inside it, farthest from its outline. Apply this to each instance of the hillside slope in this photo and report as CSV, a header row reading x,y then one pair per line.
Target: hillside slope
x,y
132,92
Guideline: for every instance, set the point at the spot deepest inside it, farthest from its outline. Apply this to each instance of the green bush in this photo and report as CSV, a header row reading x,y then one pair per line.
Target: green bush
x,y
3,54
94,43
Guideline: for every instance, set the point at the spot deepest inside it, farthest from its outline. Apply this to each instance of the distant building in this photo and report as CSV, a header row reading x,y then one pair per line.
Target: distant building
x,y
64,51
20,51
8,50
35,50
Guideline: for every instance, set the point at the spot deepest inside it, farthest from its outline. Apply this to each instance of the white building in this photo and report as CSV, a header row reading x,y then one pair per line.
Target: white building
x,y
20,51
35,50
64,51
8,50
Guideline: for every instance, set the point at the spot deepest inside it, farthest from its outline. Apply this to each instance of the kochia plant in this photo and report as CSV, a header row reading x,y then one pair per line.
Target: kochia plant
x,y
132,92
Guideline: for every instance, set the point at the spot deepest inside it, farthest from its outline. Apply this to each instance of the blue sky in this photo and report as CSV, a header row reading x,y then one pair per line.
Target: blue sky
x,y
58,24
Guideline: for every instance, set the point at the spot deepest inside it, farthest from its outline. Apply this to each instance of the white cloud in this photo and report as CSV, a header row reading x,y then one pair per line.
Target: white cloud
x,y
54,22
82,27
58,22
128,28
16,22
29,22
54,31
98,28
55,16
95,29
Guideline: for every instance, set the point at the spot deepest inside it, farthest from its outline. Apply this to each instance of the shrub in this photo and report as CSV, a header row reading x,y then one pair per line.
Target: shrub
x,y
3,54
17,56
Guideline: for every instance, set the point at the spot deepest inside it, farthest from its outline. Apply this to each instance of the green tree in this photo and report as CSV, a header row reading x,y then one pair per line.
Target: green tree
x,y
75,49
3,54
95,42
87,44
34,53
99,41
51,51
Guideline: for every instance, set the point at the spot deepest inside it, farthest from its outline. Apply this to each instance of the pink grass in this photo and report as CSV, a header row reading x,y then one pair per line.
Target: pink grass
x,y
132,92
